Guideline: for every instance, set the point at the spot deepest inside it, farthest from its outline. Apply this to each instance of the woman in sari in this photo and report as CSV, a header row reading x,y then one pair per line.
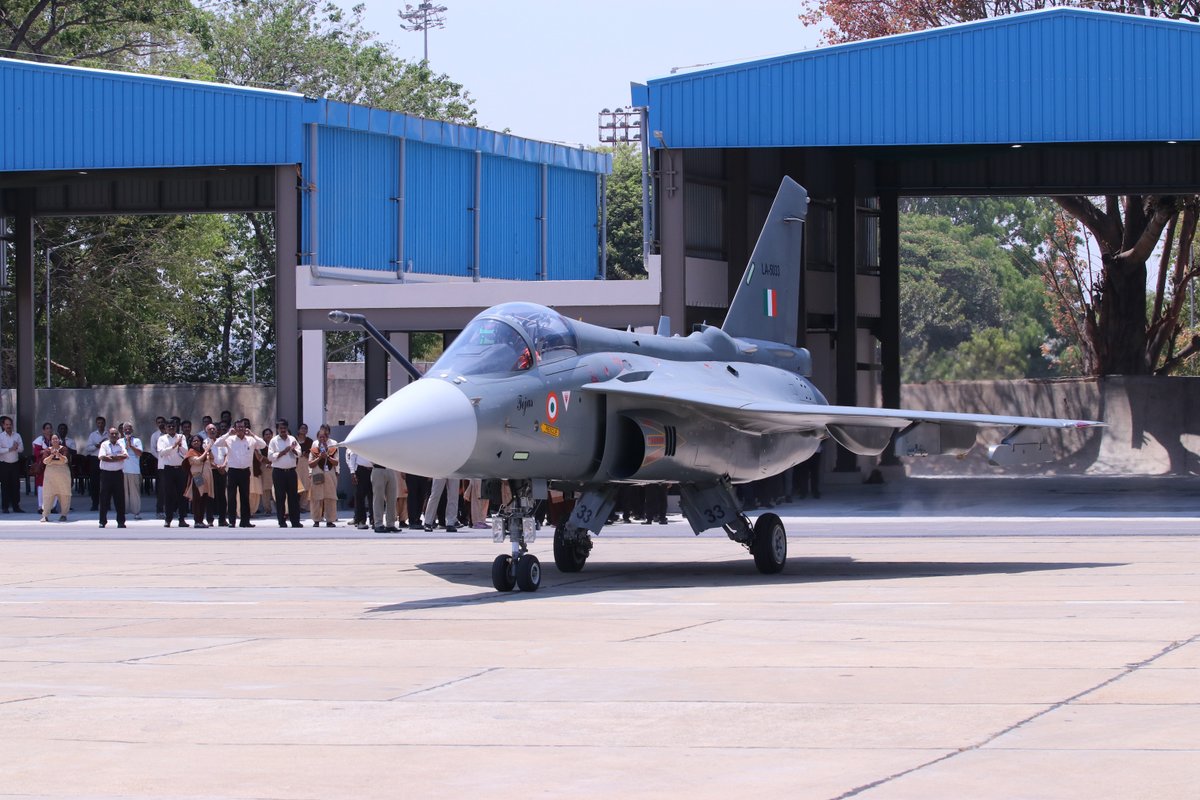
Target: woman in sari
x,y
56,479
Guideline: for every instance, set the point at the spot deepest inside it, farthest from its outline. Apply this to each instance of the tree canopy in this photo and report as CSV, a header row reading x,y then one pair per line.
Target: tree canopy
x,y
1106,314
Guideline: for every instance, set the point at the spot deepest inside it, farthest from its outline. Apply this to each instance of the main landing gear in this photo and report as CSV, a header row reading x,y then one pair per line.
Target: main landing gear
x,y
716,506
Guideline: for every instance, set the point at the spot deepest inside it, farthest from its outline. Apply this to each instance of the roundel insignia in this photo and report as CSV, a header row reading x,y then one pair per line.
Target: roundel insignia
x,y
552,407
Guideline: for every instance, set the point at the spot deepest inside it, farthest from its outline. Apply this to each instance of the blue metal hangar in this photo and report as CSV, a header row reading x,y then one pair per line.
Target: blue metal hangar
x,y
418,223
1062,101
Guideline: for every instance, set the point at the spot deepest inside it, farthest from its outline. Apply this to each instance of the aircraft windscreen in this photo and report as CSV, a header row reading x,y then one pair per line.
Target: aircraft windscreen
x,y
485,347
552,336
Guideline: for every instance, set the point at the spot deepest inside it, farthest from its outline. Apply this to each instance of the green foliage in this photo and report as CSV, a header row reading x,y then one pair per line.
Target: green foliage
x,y
624,245
967,310
319,50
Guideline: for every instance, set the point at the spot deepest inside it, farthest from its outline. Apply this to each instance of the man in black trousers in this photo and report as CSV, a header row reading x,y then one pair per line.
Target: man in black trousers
x,y
284,452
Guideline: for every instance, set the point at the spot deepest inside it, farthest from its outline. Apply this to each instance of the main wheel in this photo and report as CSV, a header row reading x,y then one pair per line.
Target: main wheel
x,y
502,574
569,556
770,544
529,573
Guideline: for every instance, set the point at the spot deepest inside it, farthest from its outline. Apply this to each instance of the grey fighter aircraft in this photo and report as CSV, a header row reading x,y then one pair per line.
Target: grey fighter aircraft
x,y
528,395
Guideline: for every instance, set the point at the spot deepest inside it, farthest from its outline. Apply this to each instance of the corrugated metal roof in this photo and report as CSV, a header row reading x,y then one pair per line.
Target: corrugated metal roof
x,y
138,121
59,118
1018,79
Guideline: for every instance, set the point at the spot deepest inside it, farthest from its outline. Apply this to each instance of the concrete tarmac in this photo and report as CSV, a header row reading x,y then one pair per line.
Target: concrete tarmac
x,y
957,639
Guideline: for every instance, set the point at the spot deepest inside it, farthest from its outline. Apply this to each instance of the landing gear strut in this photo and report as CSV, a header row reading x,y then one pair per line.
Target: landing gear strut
x,y
521,569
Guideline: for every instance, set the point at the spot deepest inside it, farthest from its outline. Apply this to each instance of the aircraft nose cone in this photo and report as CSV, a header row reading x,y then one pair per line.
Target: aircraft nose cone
x,y
427,428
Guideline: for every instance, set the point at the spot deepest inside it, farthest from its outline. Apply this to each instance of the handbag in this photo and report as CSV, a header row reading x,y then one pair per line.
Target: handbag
x,y
198,481
318,478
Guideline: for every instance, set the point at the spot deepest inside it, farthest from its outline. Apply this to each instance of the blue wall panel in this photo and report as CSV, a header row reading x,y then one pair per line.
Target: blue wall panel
x,y
510,231
1060,75
573,235
358,181
438,224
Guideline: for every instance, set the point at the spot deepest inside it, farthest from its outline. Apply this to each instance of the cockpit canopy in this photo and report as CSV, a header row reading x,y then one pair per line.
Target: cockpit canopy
x,y
508,338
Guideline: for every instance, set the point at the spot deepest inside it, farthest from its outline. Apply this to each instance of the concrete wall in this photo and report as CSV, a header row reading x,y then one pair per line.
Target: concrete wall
x,y
140,404
1153,424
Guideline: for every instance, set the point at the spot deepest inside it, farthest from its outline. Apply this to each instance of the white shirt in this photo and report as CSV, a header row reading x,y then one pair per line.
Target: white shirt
x,y
95,438
171,450
133,464
10,447
108,448
282,451
239,453
354,461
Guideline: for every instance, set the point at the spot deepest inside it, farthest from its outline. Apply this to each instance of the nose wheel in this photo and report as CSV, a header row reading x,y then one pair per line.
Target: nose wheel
x,y
525,573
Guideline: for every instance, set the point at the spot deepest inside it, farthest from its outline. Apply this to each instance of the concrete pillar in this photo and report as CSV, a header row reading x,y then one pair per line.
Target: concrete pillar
x,y
376,375
889,306
671,233
312,390
398,377
846,358
21,279
739,239
287,318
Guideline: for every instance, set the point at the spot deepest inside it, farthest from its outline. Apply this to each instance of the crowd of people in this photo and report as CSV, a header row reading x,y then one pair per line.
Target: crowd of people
x,y
224,474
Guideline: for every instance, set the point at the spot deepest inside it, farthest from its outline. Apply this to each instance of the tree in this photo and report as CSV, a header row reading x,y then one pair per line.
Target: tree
x,y
95,31
966,310
1115,331
624,200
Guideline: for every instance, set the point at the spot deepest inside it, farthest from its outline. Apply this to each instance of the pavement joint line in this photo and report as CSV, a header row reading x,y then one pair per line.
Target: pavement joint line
x,y
188,650
415,692
673,630
1128,670
25,699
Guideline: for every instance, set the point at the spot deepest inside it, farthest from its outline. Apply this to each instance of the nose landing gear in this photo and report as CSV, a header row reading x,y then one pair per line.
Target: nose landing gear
x,y
521,569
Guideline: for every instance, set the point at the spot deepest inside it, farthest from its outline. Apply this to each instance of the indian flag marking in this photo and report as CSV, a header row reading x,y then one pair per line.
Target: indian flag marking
x,y
771,303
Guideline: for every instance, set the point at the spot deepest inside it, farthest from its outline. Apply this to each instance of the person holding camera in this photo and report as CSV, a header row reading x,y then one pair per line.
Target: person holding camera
x,y
323,463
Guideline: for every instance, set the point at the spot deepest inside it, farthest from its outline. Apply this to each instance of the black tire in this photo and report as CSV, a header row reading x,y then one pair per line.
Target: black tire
x,y
770,544
568,556
502,574
529,573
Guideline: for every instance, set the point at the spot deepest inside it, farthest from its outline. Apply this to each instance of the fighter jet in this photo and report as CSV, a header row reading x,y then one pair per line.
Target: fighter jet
x,y
528,395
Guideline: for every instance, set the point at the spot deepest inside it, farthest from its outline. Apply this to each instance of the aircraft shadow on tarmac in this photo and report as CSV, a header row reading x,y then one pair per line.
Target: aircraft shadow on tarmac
x,y
600,576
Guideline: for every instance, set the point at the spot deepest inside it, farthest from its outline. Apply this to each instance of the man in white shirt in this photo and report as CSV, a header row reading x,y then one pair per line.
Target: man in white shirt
x,y
111,457
171,451
283,452
131,470
240,447
11,448
92,451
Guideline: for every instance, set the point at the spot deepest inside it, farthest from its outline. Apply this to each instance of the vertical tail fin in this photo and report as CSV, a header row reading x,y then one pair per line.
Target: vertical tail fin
x,y
767,303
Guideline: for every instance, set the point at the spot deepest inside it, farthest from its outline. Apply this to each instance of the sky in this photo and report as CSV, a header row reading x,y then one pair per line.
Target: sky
x,y
544,69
